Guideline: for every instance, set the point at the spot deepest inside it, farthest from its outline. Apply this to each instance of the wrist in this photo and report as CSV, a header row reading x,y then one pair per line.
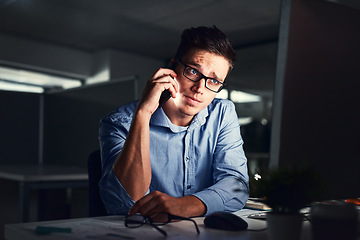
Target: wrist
x,y
142,115
194,206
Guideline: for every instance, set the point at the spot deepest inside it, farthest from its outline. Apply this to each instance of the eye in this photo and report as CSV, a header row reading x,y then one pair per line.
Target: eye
x,y
193,71
214,82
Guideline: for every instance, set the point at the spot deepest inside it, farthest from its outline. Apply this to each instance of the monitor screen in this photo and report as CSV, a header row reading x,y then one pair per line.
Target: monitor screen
x,y
316,109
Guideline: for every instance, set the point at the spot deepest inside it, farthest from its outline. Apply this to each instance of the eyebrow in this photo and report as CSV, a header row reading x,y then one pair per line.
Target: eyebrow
x,y
199,66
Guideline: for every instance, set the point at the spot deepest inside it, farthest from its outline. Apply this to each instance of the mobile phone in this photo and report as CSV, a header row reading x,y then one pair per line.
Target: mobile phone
x,y
165,96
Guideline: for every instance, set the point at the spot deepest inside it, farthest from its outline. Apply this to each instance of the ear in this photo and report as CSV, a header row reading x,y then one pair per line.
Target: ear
x,y
172,64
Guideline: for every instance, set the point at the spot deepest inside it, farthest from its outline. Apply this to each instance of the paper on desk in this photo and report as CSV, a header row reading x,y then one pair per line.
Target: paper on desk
x,y
101,230
254,224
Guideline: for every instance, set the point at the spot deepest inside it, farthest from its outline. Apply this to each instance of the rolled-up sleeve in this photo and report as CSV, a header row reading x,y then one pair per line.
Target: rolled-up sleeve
x,y
112,134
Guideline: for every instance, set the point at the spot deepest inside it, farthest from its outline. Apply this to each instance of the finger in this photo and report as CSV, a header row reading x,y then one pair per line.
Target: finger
x,y
164,79
149,208
170,83
140,203
160,202
176,86
163,72
136,207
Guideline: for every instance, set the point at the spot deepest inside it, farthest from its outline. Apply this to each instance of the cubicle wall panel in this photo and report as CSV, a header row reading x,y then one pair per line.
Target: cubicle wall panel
x,y
72,120
19,129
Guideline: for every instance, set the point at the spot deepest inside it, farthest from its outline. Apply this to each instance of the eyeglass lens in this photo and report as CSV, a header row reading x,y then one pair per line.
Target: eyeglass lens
x,y
155,220
194,75
134,221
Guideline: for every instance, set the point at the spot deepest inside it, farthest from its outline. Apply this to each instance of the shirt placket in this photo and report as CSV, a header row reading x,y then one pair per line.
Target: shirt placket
x,y
189,186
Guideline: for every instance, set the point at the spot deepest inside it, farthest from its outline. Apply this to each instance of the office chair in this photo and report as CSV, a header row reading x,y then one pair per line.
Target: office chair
x,y
96,205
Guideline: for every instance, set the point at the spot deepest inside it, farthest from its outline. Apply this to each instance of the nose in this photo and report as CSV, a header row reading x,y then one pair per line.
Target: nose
x,y
199,86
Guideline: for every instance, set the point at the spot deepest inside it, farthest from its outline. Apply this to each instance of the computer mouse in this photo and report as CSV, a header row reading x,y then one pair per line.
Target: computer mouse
x,y
225,221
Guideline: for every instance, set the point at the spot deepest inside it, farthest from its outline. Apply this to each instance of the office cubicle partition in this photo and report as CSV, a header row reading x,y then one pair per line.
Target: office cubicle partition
x,y
19,127
71,119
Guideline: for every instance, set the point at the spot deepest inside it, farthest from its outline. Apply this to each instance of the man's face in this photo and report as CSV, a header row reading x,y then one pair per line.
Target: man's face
x,y
194,96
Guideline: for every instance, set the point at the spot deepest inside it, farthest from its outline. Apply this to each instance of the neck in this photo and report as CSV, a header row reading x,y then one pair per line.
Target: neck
x,y
176,117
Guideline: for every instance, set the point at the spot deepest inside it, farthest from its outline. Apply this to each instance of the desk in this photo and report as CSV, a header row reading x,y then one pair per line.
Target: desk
x,y
112,227
42,177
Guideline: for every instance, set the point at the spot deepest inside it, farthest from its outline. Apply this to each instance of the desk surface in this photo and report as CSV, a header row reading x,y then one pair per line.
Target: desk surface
x,y
112,227
39,173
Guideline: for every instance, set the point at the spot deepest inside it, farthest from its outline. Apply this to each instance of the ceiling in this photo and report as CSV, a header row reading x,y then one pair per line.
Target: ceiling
x,y
150,28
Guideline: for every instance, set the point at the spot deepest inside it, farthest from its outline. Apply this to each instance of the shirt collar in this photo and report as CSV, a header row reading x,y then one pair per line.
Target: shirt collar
x,y
159,118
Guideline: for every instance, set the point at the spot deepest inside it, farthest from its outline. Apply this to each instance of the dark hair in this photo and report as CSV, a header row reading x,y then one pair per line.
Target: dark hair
x,y
210,39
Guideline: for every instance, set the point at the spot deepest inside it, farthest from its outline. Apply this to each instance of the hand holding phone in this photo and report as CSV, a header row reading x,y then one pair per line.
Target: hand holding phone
x,y
166,95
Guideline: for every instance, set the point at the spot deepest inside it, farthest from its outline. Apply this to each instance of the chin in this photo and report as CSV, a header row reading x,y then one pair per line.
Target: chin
x,y
190,110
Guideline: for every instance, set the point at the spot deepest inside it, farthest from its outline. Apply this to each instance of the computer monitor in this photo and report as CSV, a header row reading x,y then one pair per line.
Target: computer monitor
x,y
316,108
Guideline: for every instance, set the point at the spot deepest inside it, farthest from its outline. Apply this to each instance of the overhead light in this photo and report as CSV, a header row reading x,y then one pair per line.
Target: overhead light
x,y
238,96
223,94
21,77
9,86
245,120
243,97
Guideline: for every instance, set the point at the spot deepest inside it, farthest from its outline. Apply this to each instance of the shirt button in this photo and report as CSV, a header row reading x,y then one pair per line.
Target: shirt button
x,y
188,186
187,159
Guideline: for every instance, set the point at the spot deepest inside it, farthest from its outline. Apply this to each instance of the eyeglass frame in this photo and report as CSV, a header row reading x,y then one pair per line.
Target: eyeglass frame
x,y
202,76
148,220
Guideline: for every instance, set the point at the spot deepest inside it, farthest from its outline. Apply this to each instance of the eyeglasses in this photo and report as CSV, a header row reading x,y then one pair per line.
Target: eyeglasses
x,y
155,220
194,75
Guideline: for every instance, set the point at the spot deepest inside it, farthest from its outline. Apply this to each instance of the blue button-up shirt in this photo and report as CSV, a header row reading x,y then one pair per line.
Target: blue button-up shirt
x,y
205,159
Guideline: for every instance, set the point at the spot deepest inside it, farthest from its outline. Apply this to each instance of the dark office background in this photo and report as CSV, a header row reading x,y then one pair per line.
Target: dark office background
x,y
96,43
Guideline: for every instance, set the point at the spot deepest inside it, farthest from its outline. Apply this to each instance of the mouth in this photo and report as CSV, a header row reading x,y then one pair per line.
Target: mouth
x,y
192,101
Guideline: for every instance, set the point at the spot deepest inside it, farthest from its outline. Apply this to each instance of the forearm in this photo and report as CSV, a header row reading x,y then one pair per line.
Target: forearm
x,y
132,166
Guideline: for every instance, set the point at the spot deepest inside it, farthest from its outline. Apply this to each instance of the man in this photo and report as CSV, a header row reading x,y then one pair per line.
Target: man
x,y
186,157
